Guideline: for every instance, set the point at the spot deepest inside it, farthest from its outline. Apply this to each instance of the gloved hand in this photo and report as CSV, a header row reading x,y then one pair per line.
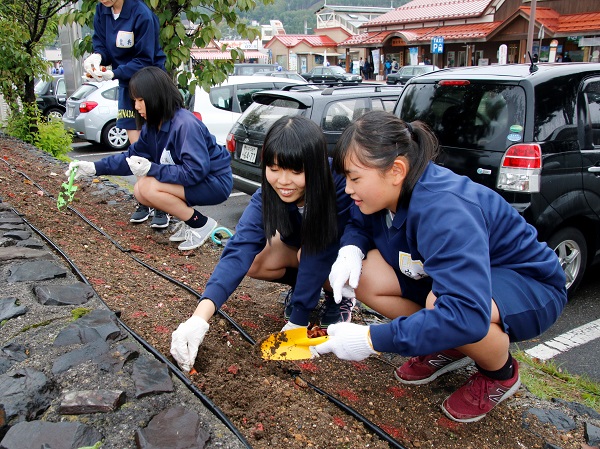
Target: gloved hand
x,y
348,341
84,168
139,166
289,326
345,270
186,340
107,75
91,64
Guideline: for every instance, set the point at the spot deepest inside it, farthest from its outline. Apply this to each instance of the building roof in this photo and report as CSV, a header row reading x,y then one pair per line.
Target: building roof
x,y
561,25
471,31
355,9
426,10
313,40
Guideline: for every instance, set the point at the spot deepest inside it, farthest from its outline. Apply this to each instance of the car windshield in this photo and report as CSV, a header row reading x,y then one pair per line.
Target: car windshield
x,y
41,86
259,117
475,116
337,69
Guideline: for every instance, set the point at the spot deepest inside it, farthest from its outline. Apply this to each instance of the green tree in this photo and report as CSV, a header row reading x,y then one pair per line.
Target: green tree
x,y
26,27
185,24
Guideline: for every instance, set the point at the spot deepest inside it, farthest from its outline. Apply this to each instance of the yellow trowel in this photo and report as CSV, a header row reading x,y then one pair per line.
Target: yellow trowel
x,y
290,345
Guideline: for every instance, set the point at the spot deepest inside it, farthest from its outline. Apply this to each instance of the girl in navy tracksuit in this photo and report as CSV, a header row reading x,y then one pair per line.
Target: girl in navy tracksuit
x,y
457,269
288,233
128,42
177,161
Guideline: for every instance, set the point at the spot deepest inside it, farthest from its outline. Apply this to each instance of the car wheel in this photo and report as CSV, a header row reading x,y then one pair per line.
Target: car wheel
x,y
570,246
115,138
54,113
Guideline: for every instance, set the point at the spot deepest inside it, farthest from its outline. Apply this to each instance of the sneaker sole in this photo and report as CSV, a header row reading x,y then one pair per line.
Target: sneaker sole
x,y
461,363
177,239
198,245
160,226
506,395
141,220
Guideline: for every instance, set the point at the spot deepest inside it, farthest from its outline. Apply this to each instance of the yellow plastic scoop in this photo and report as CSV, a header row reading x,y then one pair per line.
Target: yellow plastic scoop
x,y
289,345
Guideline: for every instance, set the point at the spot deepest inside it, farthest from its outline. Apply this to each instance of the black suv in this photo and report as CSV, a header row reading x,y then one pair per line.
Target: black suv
x,y
332,108
51,96
529,132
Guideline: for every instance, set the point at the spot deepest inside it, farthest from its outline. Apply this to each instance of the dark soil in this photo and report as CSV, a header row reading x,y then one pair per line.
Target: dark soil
x,y
270,405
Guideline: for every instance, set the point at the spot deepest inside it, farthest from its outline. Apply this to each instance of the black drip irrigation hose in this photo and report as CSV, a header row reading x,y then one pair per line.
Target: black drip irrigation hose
x,y
204,399
161,274
341,405
367,423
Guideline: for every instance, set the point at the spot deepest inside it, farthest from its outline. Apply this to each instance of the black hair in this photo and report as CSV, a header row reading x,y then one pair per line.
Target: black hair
x,y
377,138
160,94
297,143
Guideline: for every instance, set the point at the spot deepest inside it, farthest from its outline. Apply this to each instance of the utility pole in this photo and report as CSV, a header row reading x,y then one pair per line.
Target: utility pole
x,y
530,30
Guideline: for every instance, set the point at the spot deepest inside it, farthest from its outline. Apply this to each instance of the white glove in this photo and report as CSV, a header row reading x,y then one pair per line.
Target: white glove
x,y
84,168
92,64
139,166
107,75
289,326
186,340
345,271
348,341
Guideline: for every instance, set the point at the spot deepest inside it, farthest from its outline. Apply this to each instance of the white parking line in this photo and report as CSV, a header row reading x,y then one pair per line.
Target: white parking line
x,y
568,340
237,194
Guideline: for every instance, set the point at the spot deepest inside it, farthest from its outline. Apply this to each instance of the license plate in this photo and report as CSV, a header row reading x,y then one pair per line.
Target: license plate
x,y
248,153
71,111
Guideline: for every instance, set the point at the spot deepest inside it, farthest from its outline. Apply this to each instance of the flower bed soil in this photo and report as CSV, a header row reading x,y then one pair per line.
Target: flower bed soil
x,y
271,407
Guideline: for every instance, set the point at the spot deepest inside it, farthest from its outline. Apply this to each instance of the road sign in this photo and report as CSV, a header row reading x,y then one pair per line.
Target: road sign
x,y
437,44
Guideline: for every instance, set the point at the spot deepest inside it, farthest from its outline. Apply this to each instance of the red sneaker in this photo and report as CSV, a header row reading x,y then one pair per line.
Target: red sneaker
x,y
479,395
426,368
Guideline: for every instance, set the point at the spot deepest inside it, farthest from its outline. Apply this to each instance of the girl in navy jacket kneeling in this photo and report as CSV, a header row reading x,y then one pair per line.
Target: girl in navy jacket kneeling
x,y
177,161
453,265
289,233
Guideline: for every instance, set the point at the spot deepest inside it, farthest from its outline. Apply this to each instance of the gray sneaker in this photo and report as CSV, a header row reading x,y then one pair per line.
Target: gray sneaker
x,y
141,214
195,237
179,232
161,219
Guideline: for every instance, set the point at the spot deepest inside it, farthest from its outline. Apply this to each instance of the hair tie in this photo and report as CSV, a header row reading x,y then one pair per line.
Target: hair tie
x,y
414,137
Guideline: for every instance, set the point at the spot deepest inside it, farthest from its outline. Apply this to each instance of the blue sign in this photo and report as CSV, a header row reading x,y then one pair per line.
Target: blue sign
x,y
437,44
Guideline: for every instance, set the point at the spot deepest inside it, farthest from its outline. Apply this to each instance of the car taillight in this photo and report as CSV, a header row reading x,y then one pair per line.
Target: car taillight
x,y
198,115
230,143
521,168
87,106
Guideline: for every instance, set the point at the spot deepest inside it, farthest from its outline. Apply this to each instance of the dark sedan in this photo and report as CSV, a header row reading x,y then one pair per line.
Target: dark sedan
x,y
51,96
409,71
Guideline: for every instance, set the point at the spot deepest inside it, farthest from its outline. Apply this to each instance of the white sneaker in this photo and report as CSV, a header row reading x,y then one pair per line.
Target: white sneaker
x,y
179,234
195,237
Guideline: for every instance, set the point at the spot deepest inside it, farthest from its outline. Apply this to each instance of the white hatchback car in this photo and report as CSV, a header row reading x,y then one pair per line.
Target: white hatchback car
x,y
220,108
92,114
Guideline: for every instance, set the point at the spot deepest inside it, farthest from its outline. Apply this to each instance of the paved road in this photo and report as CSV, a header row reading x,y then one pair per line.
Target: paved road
x,y
573,341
